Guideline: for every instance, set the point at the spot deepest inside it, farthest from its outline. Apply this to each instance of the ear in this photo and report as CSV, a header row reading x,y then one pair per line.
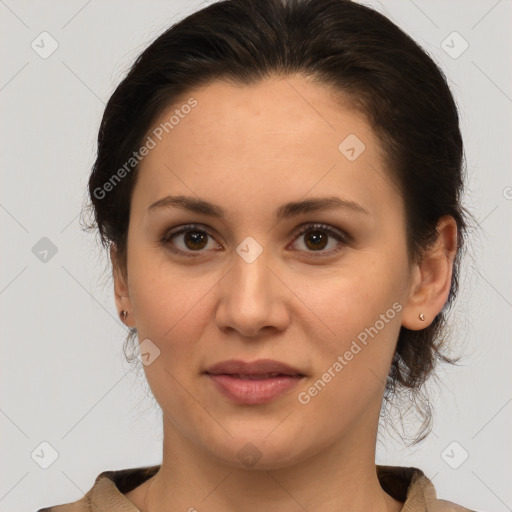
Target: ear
x,y
121,294
432,277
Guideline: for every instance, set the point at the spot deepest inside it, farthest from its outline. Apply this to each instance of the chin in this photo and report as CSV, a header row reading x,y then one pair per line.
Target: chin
x,y
259,451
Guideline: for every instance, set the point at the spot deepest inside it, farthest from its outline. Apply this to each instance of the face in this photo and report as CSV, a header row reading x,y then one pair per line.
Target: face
x,y
320,287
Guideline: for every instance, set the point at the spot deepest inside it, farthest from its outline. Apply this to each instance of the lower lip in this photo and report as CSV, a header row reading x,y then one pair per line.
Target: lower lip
x,y
254,391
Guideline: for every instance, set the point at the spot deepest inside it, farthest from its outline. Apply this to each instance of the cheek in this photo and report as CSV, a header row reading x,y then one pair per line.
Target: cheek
x,y
353,301
362,309
351,365
171,312
169,304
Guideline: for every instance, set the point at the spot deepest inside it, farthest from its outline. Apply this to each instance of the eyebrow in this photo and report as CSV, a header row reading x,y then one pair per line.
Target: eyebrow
x,y
290,209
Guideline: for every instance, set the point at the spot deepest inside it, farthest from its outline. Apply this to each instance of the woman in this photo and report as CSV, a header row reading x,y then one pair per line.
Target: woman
x,y
279,183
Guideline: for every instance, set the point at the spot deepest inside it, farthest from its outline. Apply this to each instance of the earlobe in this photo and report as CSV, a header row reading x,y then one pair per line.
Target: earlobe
x,y
121,294
432,277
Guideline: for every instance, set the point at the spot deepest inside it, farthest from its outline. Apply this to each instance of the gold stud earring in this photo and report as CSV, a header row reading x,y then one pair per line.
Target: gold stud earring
x,y
422,317
123,315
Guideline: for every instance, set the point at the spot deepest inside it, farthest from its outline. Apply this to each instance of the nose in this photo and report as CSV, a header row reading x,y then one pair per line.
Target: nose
x,y
253,300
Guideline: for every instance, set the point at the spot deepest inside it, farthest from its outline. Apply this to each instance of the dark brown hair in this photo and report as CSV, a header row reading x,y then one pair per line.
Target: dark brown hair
x,y
343,45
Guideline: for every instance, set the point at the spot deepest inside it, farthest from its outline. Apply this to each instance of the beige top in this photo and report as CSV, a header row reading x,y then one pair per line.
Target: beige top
x,y
408,485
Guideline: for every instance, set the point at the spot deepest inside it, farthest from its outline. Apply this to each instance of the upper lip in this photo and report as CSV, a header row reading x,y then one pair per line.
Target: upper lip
x,y
259,367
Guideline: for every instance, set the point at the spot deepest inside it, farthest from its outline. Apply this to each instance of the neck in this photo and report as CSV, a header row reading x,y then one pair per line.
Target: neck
x,y
339,477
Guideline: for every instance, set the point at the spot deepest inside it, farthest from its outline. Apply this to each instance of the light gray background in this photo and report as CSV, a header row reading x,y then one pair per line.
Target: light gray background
x,y
64,379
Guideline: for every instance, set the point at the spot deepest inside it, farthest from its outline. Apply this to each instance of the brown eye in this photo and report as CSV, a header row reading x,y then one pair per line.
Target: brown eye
x,y
195,240
188,240
192,241
316,237
316,240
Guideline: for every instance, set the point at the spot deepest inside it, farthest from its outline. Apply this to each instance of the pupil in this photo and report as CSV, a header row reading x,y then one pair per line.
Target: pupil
x,y
195,237
317,236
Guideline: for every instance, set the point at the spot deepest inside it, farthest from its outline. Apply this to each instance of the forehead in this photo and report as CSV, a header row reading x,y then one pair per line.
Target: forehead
x,y
293,108
277,138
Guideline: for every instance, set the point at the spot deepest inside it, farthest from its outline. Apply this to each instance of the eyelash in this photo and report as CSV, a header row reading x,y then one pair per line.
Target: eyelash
x,y
338,234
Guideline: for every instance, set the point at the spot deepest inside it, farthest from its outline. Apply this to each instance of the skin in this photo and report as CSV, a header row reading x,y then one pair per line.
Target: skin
x,y
249,150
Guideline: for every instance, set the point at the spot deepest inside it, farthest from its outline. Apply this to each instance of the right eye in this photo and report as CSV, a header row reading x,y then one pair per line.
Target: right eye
x,y
191,239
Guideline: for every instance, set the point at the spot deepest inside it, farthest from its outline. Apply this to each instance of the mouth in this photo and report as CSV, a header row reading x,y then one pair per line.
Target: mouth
x,y
258,376
253,383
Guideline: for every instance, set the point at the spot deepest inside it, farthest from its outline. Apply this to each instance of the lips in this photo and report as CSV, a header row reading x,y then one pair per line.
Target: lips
x,y
257,368
258,376
253,383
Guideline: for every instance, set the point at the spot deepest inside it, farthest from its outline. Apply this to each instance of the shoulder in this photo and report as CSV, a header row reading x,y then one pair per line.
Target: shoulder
x,y
423,488
417,492
107,492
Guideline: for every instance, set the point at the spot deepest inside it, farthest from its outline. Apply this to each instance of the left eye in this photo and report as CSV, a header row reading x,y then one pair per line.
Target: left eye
x,y
314,237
